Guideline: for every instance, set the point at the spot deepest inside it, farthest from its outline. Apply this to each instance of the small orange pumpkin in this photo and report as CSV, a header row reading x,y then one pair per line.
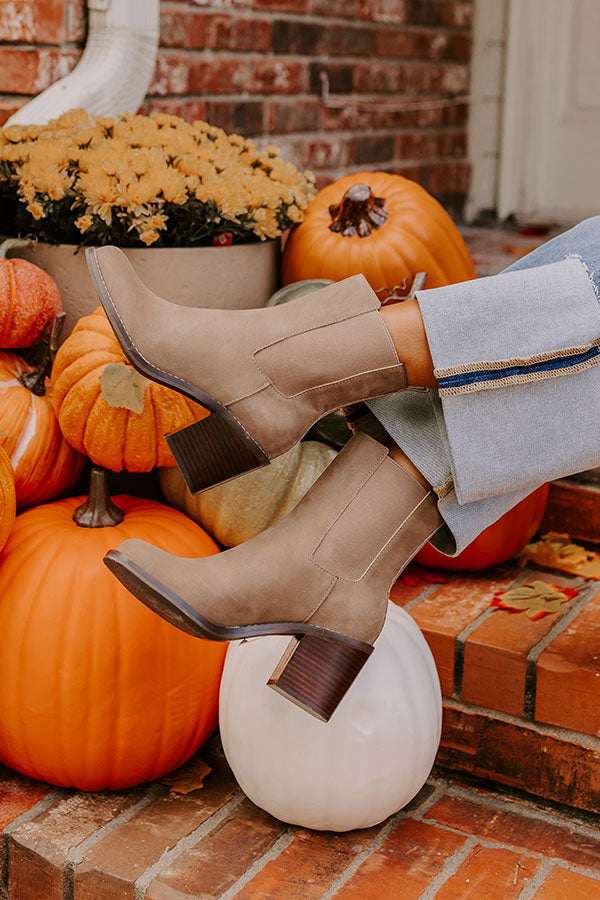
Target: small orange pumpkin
x,y
44,464
29,299
8,500
497,543
385,226
96,691
116,437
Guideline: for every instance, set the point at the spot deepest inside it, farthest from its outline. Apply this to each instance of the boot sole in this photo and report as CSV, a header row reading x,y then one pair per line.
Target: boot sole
x,y
209,452
316,670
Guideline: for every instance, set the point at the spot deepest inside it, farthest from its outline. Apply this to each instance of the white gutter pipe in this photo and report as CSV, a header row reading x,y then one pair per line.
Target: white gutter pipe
x,y
115,69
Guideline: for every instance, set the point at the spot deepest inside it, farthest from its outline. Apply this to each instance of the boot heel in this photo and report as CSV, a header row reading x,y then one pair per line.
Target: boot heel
x,y
214,450
315,673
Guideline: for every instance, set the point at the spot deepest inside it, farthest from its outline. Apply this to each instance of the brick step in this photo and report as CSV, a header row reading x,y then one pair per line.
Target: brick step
x,y
574,507
521,697
455,839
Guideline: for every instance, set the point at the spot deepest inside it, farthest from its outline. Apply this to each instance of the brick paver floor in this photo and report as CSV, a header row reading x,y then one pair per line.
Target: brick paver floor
x,y
456,840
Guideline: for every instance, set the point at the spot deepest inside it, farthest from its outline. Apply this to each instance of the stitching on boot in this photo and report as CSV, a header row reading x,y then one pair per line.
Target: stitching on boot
x,y
322,600
385,546
350,378
315,327
381,458
249,394
389,337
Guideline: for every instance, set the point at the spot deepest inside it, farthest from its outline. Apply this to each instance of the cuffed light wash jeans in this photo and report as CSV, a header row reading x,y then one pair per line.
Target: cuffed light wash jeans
x,y
517,359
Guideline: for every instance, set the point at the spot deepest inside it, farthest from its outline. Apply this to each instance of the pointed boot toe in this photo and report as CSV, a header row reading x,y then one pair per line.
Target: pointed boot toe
x,y
321,575
266,375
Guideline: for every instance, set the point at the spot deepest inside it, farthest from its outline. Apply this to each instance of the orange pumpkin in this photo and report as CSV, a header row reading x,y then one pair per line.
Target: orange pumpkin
x,y
29,299
8,500
502,540
97,691
385,226
44,464
116,437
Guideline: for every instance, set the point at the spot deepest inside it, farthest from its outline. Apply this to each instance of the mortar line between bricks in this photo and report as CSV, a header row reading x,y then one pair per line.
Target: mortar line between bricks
x,y
514,848
499,803
425,593
461,637
378,840
579,603
531,888
278,847
76,854
449,868
349,22
40,807
360,858
230,54
142,883
352,97
589,741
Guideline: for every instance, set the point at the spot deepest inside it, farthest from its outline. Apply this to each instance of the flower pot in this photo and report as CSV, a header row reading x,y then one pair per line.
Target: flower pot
x,y
240,276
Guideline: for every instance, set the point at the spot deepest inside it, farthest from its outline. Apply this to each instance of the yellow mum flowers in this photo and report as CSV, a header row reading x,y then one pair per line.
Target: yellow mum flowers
x,y
151,180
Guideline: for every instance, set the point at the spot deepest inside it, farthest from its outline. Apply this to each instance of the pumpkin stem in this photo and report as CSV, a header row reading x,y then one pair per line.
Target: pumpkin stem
x,y
12,244
98,511
359,213
35,380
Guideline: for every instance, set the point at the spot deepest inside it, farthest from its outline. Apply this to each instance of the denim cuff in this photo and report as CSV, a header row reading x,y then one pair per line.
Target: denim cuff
x,y
516,356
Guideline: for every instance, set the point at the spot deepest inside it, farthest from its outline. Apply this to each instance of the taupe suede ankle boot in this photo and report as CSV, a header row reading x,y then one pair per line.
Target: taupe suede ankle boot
x,y
322,574
266,375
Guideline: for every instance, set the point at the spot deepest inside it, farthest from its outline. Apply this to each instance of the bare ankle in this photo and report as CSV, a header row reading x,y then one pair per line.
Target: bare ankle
x,y
406,328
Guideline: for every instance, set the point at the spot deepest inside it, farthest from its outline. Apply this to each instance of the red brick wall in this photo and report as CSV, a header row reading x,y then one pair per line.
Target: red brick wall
x,y
254,66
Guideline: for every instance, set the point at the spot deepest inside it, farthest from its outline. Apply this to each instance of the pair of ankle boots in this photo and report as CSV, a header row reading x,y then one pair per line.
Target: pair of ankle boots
x,y
323,573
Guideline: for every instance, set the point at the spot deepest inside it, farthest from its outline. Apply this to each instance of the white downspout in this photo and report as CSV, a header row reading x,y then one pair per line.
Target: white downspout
x,y
115,69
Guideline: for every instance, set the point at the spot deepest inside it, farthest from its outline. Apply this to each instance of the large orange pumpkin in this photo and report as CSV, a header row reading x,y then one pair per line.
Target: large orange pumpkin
x,y
502,540
44,464
29,299
116,437
96,691
385,226
8,500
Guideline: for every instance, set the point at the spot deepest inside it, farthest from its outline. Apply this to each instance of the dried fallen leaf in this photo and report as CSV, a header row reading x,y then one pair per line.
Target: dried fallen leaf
x,y
415,575
123,387
536,598
188,778
557,551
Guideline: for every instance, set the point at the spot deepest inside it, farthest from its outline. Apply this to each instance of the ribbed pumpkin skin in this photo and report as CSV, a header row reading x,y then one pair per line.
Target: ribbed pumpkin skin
x,y
8,499
29,302
113,437
96,691
418,236
367,762
238,510
44,464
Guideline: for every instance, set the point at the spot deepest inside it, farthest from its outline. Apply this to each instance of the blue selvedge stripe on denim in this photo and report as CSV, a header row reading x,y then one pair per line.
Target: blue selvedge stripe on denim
x,y
548,365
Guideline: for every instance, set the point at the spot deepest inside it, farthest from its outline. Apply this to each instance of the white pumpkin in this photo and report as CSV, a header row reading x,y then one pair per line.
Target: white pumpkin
x,y
366,763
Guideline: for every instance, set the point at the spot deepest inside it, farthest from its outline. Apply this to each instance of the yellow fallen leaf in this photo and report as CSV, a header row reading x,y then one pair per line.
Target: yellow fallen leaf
x,y
123,387
189,777
557,551
537,598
